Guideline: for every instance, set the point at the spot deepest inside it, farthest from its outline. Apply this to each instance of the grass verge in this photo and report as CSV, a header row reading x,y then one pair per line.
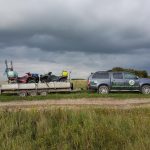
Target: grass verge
x,y
75,129
121,96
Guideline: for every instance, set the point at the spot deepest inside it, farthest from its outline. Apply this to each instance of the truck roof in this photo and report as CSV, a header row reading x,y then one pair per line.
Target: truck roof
x,y
109,71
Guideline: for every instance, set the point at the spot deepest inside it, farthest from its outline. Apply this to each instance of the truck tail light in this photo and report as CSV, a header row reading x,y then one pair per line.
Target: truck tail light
x,y
88,82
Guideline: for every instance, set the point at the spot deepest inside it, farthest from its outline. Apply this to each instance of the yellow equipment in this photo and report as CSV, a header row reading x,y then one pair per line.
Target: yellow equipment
x,y
65,73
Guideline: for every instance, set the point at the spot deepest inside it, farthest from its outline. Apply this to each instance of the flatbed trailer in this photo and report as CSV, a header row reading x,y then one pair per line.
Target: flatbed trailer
x,y
33,89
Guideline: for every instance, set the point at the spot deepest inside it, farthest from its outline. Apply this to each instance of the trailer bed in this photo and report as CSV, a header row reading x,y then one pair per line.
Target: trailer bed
x,y
36,88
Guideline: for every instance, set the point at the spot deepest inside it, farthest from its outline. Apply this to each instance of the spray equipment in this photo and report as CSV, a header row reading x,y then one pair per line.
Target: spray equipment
x,y
10,70
11,64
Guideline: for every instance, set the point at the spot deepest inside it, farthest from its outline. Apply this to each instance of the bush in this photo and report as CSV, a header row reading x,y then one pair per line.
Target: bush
x,y
140,73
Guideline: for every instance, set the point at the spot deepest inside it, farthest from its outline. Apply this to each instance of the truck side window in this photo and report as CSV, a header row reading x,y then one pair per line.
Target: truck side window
x,y
129,76
117,75
101,75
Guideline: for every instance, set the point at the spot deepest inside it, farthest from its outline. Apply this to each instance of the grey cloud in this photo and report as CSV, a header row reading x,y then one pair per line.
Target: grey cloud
x,y
91,34
88,26
79,63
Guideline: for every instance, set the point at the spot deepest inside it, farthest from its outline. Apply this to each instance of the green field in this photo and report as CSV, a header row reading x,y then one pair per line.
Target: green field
x,y
80,84
75,129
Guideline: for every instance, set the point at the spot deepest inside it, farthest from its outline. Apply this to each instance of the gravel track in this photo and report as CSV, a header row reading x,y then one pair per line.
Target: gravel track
x,y
75,103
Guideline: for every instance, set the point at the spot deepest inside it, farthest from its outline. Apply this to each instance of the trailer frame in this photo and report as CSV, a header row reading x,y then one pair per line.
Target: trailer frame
x,y
34,89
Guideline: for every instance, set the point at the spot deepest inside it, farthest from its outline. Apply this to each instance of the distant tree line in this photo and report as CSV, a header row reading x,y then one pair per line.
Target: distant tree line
x,y
140,73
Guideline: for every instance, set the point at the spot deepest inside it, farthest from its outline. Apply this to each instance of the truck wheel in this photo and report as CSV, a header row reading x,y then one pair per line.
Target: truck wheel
x,y
22,93
145,89
103,89
33,93
43,93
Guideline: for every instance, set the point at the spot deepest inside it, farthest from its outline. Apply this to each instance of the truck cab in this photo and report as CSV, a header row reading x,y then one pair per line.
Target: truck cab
x,y
124,81
104,82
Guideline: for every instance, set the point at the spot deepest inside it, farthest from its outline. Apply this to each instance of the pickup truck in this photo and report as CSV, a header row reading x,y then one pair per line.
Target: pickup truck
x,y
104,81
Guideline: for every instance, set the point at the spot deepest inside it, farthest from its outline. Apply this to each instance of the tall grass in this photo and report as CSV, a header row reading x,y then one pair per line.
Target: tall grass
x,y
75,129
80,84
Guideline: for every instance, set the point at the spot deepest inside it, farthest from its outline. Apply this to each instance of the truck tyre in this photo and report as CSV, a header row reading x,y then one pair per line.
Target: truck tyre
x,y
145,89
22,93
103,89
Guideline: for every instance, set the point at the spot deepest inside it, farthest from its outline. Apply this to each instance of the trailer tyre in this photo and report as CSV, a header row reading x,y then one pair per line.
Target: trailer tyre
x,y
22,93
43,93
103,89
33,93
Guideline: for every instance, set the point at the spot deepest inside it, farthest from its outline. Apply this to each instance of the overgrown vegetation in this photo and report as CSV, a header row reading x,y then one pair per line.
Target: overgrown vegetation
x,y
91,128
80,84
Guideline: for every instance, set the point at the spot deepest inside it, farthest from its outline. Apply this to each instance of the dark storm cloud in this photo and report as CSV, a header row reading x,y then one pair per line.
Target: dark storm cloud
x,y
124,42
87,26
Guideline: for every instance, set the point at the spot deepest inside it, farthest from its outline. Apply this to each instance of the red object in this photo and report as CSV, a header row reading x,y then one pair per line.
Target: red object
x,y
88,83
25,78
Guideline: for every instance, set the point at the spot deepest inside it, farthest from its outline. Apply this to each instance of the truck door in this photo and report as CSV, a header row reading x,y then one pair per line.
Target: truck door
x,y
117,81
131,81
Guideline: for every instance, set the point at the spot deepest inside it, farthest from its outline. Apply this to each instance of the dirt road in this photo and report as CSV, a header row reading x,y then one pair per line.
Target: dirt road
x,y
75,103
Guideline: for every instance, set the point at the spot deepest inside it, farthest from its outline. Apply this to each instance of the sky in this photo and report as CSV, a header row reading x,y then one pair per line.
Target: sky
x,y
81,36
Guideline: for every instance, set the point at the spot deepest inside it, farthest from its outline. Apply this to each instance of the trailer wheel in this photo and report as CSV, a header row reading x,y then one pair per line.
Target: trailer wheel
x,y
22,93
43,93
33,93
